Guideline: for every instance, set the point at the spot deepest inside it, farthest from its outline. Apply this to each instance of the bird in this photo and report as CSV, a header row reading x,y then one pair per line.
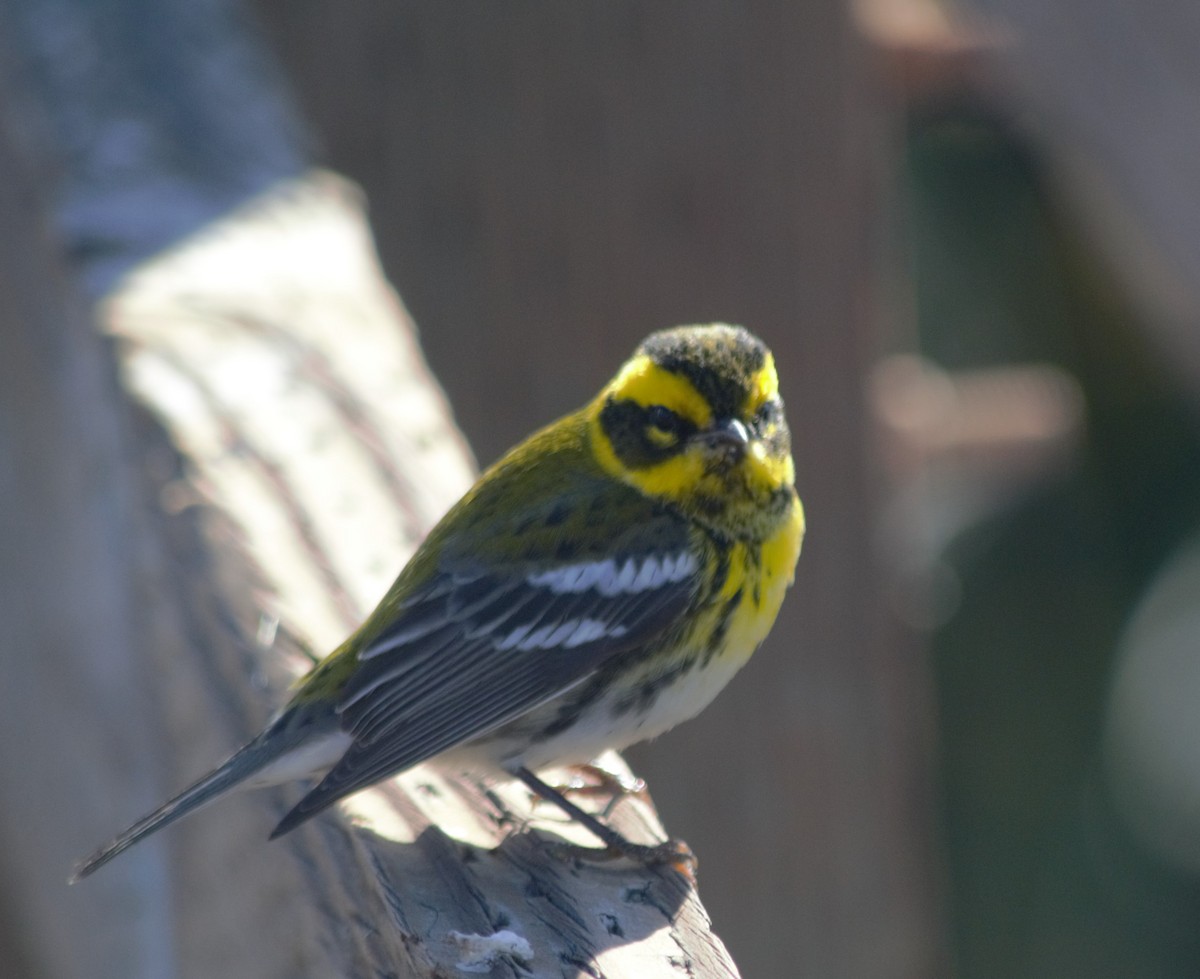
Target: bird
x,y
597,585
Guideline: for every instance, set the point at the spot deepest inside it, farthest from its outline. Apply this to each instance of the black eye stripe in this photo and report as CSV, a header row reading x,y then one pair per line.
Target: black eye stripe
x,y
625,422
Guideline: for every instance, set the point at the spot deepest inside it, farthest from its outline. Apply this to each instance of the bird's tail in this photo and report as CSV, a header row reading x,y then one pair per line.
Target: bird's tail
x,y
301,741
241,765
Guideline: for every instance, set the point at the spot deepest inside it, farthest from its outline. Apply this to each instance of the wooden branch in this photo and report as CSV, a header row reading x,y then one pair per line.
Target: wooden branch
x,y
239,490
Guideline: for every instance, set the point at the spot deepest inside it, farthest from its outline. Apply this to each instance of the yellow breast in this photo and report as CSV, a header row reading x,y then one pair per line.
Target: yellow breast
x,y
761,574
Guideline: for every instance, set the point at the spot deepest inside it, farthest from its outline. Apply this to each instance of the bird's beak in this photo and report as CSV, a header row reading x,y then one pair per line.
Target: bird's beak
x,y
729,436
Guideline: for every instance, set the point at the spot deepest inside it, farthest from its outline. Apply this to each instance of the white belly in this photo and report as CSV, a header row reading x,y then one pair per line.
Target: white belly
x,y
600,726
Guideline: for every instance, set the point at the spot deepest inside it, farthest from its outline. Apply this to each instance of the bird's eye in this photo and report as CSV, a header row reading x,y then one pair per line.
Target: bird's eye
x,y
662,417
663,426
768,415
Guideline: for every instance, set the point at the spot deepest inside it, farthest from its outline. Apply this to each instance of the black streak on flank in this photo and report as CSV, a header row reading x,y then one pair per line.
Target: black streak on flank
x,y
569,712
642,699
721,572
717,638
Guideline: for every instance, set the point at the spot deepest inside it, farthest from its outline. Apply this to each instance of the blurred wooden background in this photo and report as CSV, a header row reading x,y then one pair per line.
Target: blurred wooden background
x,y
550,182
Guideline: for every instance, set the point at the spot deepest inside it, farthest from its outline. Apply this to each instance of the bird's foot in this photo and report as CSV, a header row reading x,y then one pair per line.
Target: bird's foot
x,y
672,853
593,782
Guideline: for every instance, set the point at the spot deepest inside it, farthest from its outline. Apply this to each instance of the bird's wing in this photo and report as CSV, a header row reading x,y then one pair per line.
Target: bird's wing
x,y
473,650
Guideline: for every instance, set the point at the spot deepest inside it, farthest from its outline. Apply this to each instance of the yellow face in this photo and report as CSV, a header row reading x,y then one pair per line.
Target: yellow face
x,y
695,418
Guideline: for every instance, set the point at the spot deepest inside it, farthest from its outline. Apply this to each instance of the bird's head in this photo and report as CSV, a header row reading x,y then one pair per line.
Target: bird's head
x,y
694,419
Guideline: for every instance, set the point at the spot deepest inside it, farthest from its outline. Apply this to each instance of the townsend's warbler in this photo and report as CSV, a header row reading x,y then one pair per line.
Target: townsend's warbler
x,y
598,585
